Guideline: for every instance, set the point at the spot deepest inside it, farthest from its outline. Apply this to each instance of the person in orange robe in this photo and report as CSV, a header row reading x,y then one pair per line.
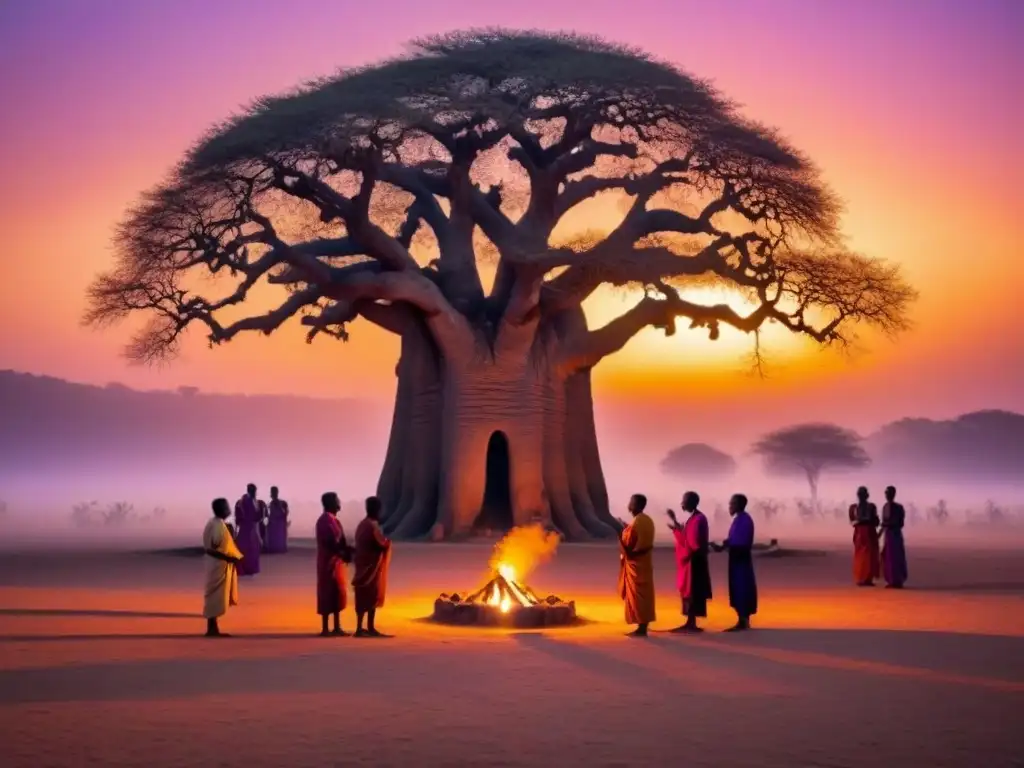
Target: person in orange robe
x,y
865,522
332,552
636,567
370,565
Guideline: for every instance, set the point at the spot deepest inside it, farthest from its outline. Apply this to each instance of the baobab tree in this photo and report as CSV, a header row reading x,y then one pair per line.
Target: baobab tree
x,y
809,450
378,193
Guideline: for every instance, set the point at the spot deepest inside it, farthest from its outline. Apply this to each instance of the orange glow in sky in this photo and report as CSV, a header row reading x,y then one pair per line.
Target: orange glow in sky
x,y
910,115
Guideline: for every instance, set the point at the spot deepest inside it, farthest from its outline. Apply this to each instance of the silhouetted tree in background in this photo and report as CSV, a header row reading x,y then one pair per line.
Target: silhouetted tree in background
x,y
83,514
810,449
939,513
378,193
698,460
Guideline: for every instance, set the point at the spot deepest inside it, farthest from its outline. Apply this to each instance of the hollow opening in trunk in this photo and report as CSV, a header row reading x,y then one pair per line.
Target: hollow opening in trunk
x,y
496,510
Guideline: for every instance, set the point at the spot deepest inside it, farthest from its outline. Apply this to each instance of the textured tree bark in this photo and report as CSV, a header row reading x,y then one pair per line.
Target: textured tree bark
x,y
409,481
448,407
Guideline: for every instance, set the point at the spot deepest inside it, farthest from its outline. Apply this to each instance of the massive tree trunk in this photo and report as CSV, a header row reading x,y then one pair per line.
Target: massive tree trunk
x,y
448,408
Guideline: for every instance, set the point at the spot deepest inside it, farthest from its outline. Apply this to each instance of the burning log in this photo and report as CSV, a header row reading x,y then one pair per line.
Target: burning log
x,y
503,601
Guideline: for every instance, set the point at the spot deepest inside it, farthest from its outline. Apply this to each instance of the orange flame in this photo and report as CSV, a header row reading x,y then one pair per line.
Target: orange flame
x,y
522,550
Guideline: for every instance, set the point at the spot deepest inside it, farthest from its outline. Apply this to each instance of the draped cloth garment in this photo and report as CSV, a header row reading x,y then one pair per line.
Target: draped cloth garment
x,y
221,588
636,570
370,566
693,577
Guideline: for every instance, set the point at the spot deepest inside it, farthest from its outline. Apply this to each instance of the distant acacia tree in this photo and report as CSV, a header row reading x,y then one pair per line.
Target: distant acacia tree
x,y
809,450
377,194
769,509
939,513
84,514
699,461
119,513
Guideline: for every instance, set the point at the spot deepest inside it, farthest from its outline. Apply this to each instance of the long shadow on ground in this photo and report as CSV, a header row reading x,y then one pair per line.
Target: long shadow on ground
x,y
995,659
96,613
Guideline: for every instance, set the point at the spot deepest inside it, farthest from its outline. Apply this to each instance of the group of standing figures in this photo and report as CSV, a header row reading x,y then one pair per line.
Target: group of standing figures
x,y
233,553
693,545
260,528
869,530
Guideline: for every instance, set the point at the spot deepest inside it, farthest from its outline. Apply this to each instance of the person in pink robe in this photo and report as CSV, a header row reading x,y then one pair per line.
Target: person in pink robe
x,y
332,552
277,524
249,511
370,564
693,577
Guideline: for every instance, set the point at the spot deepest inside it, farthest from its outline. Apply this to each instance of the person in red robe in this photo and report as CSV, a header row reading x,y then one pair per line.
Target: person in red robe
x,y
865,522
370,565
332,552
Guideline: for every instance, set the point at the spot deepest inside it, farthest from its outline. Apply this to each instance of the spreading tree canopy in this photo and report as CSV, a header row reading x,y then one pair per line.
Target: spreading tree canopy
x,y
809,450
698,460
376,194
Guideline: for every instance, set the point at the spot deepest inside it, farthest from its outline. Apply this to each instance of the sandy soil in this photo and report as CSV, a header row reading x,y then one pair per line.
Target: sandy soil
x,y
99,664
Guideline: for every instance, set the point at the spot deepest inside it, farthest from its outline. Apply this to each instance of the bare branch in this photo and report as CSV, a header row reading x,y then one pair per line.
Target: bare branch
x,y
840,289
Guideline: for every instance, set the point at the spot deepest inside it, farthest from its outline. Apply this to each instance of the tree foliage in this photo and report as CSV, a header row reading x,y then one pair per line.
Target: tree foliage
x,y
809,450
379,189
698,460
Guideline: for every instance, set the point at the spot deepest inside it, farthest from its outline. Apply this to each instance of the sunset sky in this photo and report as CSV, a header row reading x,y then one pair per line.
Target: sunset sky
x,y
912,109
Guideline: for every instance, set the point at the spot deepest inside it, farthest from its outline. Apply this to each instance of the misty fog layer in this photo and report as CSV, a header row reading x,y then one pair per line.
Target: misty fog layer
x,y
102,463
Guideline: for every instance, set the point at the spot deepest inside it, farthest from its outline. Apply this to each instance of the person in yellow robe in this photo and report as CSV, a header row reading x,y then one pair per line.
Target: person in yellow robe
x,y
222,556
636,567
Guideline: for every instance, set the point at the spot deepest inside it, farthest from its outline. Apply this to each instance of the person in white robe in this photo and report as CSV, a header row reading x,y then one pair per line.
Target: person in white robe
x,y
222,556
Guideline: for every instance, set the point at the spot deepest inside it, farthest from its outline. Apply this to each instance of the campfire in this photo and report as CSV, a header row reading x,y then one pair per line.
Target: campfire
x,y
504,600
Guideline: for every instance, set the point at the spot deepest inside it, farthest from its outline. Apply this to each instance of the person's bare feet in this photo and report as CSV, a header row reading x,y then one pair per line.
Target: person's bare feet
x,y
216,634
686,629
637,633
339,632
738,628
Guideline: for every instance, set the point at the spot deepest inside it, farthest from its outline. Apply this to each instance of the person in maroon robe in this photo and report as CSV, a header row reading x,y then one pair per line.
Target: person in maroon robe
x,y
370,565
332,552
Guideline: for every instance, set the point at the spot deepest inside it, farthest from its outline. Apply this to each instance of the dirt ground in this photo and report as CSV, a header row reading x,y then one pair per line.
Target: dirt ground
x,y
100,663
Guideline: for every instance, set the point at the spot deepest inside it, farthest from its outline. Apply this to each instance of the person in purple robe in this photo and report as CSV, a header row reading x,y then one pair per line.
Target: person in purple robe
x,y
693,577
277,524
248,513
894,552
332,553
740,544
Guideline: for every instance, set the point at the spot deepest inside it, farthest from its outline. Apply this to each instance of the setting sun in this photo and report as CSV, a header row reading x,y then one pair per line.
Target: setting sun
x,y
691,348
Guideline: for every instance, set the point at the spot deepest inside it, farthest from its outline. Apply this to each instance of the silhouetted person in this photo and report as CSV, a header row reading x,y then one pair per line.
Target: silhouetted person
x,y
222,557
332,552
740,545
693,577
370,565
636,567
277,524
249,513
864,519
894,552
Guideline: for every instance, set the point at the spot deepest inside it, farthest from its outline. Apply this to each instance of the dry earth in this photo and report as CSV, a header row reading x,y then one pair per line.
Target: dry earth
x,y
99,665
